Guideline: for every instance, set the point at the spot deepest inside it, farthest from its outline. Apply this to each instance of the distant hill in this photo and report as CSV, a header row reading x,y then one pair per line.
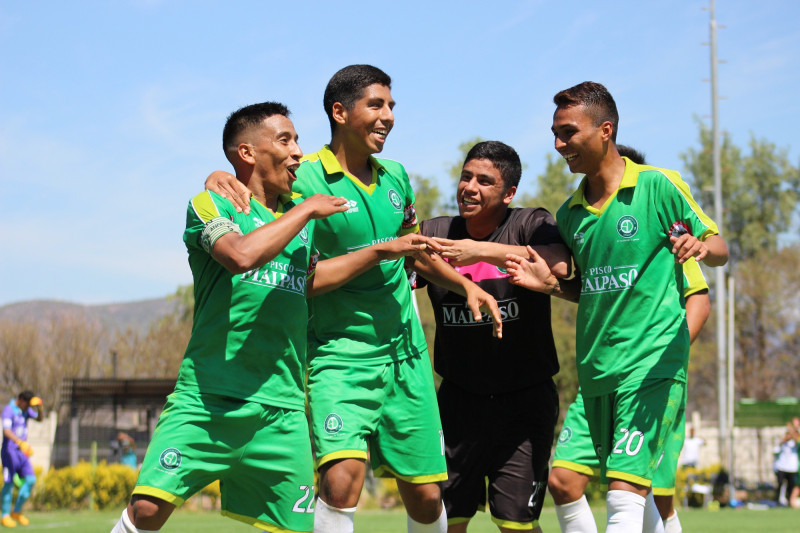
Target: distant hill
x,y
119,316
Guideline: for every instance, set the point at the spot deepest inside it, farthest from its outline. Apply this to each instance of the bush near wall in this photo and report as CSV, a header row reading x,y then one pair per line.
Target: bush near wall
x,y
73,487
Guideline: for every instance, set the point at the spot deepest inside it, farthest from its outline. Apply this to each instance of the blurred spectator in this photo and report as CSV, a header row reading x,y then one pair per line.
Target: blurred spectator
x,y
786,464
690,454
125,446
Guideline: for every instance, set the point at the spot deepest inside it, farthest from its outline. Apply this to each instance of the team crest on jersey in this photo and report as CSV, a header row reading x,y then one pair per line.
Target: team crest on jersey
x,y
566,435
333,424
170,459
395,199
627,226
303,235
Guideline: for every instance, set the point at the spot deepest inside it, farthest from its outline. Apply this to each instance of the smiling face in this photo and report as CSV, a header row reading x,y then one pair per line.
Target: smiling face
x,y
482,194
275,154
579,140
367,124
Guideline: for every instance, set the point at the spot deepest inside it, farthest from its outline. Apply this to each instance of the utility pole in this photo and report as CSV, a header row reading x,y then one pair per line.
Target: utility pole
x,y
725,343
720,285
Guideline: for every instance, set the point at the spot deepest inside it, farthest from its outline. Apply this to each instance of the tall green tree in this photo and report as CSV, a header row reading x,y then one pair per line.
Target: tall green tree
x,y
768,325
761,196
760,191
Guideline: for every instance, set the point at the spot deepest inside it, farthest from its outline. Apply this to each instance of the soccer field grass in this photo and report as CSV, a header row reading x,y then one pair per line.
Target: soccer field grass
x,y
371,521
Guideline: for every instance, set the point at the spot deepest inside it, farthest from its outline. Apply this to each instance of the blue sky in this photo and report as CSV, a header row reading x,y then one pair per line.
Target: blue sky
x,y
111,113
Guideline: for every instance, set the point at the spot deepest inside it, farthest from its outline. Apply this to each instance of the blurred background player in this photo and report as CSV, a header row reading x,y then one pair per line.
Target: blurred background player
x,y
370,383
631,337
16,454
497,399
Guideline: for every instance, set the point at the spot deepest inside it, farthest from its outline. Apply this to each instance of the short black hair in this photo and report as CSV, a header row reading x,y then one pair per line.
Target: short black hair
x,y
26,395
347,86
595,98
631,153
246,117
503,157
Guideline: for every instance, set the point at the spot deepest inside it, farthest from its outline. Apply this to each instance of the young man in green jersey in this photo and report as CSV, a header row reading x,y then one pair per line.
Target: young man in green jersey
x,y
370,384
575,460
630,227
238,411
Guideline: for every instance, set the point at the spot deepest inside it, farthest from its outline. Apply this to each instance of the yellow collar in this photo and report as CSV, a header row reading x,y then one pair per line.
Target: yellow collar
x,y
629,179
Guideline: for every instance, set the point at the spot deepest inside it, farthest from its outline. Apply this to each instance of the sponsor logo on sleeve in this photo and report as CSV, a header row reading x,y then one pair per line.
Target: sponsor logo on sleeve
x,y
678,228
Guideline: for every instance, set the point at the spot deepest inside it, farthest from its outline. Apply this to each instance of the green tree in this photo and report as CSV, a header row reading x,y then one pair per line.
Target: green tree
x,y
427,196
768,324
760,191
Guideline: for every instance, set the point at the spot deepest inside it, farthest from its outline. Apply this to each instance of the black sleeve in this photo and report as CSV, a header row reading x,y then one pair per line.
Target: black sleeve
x,y
538,227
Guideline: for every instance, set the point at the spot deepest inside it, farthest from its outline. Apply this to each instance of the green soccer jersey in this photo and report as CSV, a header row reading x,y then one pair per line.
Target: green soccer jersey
x,y
249,333
371,318
631,317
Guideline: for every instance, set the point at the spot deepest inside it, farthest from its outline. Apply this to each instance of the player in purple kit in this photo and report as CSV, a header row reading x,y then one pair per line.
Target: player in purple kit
x,y
16,453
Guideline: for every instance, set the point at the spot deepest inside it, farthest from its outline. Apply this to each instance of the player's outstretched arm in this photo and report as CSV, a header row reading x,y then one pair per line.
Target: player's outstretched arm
x,y
713,251
332,273
241,253
464,252
436,270
226,185
533,273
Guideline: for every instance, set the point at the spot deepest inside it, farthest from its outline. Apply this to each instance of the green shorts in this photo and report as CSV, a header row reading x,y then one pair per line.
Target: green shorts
x,y
664,479
389,409
260,454
630,427
574,448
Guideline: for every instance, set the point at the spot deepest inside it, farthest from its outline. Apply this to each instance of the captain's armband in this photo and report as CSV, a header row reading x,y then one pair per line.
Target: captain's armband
x,y
215,229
